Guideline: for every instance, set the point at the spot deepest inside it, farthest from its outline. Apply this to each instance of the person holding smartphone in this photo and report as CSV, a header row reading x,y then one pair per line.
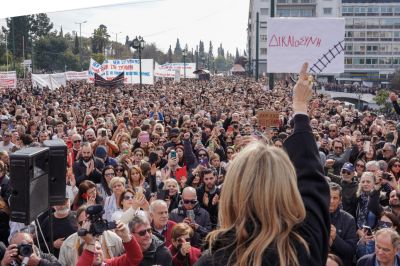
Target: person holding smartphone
x,y
183,253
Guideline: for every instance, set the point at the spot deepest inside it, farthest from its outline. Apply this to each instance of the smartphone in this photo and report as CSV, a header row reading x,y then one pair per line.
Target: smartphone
x,y
126,120
203,162
104,133
367,145
163,194
368,230
173,154
190,215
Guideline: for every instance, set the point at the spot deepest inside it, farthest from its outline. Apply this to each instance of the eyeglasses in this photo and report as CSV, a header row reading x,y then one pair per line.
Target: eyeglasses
x,y
109,174
396,165
338,148
189,202
119,169
143,232
78,140
360,165
127,197
229,152
202,155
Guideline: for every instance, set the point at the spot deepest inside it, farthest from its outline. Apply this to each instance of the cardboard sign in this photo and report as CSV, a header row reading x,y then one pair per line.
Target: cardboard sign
x,y
317,41
268,119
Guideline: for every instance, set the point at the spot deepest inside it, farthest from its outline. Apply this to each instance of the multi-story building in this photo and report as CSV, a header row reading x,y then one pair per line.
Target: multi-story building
x,y
372,39
372,35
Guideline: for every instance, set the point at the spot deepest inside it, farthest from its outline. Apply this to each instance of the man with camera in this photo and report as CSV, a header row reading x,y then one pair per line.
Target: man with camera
x,y
110,243
22,251
93,255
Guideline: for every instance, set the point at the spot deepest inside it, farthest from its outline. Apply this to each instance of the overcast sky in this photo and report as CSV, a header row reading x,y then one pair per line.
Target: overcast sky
x,y
163,21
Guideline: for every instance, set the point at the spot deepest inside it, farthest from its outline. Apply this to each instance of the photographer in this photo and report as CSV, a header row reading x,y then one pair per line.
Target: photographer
x,y
93,254
22,251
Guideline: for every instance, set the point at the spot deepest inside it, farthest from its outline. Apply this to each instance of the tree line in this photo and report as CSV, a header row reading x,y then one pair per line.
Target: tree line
x,y
51,50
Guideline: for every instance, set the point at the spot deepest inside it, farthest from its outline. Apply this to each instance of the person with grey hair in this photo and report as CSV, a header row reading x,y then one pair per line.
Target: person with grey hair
x,y
387,242
162,226
372,166
388,151
154,250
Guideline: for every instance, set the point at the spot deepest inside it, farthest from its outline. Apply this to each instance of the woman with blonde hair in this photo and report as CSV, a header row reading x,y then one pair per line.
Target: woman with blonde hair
x,y
267,216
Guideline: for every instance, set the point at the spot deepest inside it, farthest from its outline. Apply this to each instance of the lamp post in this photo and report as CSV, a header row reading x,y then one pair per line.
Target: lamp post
x,y
138,44
203,59
116,40
184,53
80,41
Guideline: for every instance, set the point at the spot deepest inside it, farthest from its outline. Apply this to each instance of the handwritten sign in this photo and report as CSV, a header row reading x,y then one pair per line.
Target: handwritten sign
x,y
293,41
268,119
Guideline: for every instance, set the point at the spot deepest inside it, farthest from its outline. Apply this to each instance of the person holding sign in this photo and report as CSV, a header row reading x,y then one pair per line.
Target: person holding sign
x,y
267,217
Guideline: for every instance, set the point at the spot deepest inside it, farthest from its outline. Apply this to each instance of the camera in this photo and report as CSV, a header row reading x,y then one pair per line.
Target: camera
x,y
25,250
97,224
386,176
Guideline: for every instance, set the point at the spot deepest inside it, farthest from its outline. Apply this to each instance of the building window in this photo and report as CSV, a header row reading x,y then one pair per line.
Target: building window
x,y
263,51
263,37
264,11
328,11
282,1
263,24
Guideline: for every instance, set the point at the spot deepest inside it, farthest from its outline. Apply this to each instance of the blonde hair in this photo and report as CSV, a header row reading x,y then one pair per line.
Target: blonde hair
x,y
115,180
365,174
260,188
171,180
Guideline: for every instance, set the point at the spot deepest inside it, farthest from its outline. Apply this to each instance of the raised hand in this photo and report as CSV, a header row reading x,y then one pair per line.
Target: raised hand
x,y
393,97
302,91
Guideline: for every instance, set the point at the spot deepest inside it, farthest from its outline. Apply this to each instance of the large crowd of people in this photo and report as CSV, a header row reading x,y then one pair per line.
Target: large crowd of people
x,y
190,177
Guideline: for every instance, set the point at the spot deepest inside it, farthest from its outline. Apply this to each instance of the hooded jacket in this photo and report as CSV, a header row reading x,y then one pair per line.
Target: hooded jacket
x,y
156,254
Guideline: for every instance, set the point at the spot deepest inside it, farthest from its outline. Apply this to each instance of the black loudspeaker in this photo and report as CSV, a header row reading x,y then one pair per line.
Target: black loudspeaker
x,y
57,171
29,181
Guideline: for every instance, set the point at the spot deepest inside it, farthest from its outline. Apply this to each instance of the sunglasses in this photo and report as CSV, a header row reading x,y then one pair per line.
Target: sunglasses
x,y
119,169
190,202
346,172
127,197
143,232
202,155
360,165
338,148
77,141
396,165
382,224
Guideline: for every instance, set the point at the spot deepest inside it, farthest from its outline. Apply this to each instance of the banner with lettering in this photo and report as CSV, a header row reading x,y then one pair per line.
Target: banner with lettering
x,y
8,79
169,70
74,75
52,81
112,68
293,41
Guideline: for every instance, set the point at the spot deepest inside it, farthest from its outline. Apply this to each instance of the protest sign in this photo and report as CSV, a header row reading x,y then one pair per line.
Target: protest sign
x,y
268,119
8,79
73,75
110,69
168,70
293,41
52,81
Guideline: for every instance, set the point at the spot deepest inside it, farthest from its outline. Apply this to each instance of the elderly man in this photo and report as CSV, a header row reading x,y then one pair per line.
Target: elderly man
x,y
189,207
343,237
162,227
87,167
76,146
154,251
387,242
111,243
36,258
388,151
90,135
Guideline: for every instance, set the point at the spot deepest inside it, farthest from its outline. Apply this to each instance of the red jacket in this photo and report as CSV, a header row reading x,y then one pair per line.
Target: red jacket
x,y
133,256
166,233
179,260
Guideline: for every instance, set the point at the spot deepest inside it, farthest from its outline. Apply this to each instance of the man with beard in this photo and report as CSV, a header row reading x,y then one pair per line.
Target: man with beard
x,y
394,203
64,224
87,167
208,194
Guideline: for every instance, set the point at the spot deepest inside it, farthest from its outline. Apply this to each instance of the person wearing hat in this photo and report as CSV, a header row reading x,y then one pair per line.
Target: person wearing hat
x,y
349,186
101,153
174,139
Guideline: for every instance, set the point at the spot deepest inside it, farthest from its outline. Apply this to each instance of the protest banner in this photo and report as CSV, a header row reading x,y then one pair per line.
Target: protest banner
x,y
8,79
110,69
74,75
268,119
293,41
52,81
168,70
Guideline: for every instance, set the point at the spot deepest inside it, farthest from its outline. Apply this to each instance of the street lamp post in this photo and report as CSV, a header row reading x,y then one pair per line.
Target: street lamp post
x,y
116,41
80,41
184,53
138,44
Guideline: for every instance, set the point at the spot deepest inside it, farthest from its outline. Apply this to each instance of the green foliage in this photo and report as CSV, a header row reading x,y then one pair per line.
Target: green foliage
x,y
381,100
75,50
99,57
100,39
49,53
169,55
